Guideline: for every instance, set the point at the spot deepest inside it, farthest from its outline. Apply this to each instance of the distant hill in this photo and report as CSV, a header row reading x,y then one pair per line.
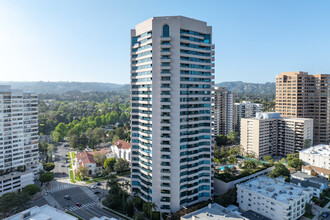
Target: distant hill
x,y
62,87
240,87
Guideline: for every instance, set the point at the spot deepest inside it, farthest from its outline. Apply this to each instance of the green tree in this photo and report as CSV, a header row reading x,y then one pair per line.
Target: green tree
x,y
31,189
98,134
56,136
232,137
50,149
43,146
82,172
295,163
46,177
121,164
139,216
221,140
148,207
283,160
110,163
280,170
49,166
99,158
291,156
61,129
74,141
269,159
13,201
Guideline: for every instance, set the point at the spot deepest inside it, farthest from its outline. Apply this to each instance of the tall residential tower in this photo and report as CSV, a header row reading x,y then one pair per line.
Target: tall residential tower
x,y
306,96
171,82
18,139
222,110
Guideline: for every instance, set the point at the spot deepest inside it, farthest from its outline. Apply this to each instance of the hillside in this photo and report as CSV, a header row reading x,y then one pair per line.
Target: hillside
x,y
62,87
240,87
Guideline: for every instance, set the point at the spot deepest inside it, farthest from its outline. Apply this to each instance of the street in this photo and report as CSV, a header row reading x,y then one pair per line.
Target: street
x,y
83,202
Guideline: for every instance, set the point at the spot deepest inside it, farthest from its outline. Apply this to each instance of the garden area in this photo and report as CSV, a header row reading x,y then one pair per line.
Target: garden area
x,y
230,166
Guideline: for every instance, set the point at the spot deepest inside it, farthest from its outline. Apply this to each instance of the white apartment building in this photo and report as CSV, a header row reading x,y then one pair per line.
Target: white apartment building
x,y
223,103
270,134
44,212
318,156
245,109
273,198
171,83
18,139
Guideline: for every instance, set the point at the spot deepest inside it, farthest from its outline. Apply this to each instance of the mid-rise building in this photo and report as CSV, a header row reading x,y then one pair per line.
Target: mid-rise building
x,y
122,149
171,83
44,212
273,198
315,184
223,103
18,139
318,156
300,95
245,109
270,134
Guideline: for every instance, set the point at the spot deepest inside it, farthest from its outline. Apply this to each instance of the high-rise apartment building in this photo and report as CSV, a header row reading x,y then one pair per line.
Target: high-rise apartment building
x,y
171,82
245,109
18,139
223,101
306,96
270,134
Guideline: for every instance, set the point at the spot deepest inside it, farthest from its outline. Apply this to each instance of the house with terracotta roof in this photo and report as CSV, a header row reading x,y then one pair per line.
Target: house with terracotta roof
x,y
86,159
122,149
311,170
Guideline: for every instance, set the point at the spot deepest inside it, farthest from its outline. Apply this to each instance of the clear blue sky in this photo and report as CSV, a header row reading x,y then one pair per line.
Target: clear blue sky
x,y
79,40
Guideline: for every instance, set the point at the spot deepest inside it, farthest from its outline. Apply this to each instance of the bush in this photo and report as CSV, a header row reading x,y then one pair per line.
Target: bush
x,y
49,166
129,208
31,189
139,216
46,177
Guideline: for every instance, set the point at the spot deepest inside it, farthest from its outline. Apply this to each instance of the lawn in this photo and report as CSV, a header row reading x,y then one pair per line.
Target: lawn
x,y
72,177
96,180
73,154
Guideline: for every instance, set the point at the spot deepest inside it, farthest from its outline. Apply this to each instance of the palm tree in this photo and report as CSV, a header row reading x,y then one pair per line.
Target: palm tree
x,y
149,207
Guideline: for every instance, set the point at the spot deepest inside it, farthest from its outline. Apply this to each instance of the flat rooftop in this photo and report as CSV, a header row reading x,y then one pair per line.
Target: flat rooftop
x,y
276,189
42,213
215,212
322,150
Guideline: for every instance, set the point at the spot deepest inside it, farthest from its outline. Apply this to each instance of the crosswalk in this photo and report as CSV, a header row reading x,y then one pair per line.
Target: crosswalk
x,y
87,205
59,187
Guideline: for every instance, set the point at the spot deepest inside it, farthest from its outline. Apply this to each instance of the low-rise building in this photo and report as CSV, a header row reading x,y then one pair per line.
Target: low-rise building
x,y
45,212
316,184
273,198
122,149
86,159
212,212
312,170
270,134
318,156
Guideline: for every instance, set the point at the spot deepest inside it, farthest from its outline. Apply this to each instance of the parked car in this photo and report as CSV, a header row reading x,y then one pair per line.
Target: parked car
x,y
78,204
99,184
96,192
67,197
93,187
325,215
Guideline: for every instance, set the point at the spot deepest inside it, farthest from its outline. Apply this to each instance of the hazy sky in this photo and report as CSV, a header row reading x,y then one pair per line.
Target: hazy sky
x,y
77,40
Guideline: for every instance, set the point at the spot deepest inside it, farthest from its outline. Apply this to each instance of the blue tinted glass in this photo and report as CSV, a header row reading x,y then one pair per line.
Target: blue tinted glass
x,y
166,31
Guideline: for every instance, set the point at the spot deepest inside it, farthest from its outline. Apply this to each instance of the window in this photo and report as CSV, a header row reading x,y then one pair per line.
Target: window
x,y
166,31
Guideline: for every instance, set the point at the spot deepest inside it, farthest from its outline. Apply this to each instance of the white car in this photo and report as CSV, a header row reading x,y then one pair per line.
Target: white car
x,y
93,187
